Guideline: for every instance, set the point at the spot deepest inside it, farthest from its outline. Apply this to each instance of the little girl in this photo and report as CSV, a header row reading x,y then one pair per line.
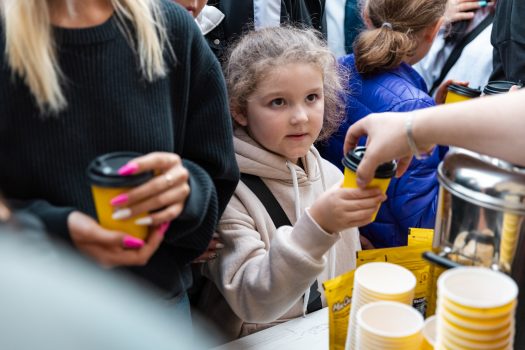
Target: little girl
x,y
284,88
382,80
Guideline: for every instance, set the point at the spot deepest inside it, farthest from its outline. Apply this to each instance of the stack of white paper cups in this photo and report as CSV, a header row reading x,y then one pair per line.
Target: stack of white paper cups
x,y
475,309
388,325
378,281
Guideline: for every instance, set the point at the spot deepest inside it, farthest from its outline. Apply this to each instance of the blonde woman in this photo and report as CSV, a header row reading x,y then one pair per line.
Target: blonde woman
x,y
80,78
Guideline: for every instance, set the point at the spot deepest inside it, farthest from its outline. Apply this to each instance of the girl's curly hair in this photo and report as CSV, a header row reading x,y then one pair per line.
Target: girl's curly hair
x,y
258,52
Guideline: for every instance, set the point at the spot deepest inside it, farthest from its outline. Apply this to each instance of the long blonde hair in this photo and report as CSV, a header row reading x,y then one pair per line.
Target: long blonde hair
x,y
32,55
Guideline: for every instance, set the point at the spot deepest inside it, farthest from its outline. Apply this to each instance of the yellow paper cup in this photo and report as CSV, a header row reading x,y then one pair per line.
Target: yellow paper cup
x,y
382,176
458,93
477,288
429,334
106,184
387,324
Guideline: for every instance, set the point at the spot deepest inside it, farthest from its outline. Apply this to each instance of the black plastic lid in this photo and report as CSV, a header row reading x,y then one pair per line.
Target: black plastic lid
x,y
498,87
352,159
464,90
103,171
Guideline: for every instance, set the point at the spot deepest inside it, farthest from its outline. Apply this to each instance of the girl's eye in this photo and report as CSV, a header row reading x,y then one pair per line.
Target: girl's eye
x,y
278,102
312,97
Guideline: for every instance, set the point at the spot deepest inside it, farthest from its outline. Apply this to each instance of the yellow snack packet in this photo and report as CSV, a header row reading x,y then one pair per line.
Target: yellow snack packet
x,y
338,293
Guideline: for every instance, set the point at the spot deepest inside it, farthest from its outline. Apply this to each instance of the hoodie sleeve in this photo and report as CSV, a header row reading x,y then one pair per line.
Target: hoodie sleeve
x,y
262,278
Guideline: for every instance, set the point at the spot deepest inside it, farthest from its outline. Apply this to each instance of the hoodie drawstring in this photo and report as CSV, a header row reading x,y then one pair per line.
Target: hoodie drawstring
x,y
297,203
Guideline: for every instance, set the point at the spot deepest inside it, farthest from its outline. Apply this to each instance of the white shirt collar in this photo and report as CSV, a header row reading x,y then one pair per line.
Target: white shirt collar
x,y
209,18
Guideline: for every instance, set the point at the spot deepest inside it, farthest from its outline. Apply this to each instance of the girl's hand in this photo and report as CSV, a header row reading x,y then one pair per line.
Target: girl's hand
x,y
340,208
111,248
441,93
163,196
212,252
365,243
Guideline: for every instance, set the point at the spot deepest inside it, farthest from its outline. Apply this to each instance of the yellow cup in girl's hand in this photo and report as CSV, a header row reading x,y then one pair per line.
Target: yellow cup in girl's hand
x,y
107,183
382,177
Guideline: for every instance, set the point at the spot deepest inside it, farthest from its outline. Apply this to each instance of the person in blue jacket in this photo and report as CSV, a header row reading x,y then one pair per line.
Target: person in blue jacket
x,y
381,79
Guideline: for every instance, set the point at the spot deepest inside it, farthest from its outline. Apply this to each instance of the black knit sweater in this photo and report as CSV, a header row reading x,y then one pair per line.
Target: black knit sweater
x,y
111,107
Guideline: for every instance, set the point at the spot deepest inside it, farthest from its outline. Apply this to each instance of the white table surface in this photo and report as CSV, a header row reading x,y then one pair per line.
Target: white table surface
x,y
303,333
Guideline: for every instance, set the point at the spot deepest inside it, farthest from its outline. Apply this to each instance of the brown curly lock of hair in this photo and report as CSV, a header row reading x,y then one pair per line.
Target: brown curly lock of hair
x,y
385,46
257,52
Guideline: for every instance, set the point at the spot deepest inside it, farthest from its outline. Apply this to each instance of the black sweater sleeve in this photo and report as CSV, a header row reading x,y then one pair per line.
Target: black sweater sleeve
x,y
206,147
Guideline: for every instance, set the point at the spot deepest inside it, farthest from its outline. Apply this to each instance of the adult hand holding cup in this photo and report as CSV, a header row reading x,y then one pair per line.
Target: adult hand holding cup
x,y
112,248
163,197
387,140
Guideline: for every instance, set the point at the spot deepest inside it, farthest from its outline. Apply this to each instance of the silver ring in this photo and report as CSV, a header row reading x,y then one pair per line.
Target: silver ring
x,y
169,179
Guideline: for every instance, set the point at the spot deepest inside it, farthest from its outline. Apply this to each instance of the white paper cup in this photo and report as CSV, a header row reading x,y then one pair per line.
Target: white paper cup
x,y
389,323
385,279
429,333
476,345
495,325
477,287
478,313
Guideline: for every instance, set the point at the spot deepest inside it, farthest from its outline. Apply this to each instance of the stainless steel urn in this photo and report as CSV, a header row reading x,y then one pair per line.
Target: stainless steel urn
x,y
480,216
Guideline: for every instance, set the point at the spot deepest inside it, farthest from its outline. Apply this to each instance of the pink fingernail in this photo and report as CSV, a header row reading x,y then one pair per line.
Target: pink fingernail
x,y
128,169
120,199
132,242
163,228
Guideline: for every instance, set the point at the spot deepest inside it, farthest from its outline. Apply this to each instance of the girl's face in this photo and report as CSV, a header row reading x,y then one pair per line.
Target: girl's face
x,y
285,113
193,6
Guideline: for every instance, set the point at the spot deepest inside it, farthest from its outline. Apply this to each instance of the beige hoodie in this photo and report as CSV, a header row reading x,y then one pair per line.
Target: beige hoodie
x,y
263,272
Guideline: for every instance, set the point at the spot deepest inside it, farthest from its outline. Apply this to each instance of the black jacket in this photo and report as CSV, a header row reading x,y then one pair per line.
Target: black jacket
x,y
239,18
508,40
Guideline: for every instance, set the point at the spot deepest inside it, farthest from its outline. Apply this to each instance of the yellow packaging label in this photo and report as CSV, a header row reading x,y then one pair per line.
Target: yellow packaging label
x,y
338,293
435,272
420,237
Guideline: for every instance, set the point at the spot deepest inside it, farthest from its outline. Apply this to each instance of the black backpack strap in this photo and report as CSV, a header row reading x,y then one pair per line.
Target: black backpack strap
x,y
279,218
456,52
264,194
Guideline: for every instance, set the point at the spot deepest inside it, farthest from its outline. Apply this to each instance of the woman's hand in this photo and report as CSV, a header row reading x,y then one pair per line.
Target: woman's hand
x,y
340,208
111,248
163,196
441,93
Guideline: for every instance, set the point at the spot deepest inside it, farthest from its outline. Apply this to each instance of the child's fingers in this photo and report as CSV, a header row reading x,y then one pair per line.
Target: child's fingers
x,y
358,193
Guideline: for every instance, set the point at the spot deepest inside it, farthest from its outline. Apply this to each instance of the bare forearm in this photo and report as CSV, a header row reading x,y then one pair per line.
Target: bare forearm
x,y
489,125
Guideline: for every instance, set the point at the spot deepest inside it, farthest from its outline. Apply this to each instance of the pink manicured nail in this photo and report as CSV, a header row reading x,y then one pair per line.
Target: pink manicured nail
x,y
128,169
163,228
132,242
120,199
